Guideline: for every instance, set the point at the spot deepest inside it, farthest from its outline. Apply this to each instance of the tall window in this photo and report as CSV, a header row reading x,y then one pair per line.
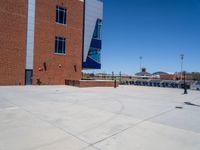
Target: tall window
x,y
98,28
60,45
61,15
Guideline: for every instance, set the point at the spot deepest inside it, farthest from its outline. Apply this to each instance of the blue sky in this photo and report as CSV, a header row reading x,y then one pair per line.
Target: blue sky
x,y
158,30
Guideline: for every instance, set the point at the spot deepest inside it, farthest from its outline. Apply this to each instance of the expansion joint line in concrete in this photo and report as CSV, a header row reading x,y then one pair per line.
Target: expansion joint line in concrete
x,y
106,138
115,115
134,125
53,125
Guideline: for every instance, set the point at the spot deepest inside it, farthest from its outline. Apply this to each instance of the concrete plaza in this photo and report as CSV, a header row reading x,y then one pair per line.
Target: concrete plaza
x,y
126,118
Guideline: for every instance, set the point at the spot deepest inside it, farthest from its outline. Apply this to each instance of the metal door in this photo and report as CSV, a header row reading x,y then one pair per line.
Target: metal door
x,y
28,77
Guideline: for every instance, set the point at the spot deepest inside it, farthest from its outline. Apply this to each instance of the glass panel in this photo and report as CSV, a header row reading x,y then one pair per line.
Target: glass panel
x,y
95,54
99,28
64,46
65,16
59,46
60,15
56,46
56,14
97,31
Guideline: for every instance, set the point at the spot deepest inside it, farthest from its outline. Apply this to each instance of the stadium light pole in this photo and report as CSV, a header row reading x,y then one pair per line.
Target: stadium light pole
x,y
140,62
120,77
182,58
112,75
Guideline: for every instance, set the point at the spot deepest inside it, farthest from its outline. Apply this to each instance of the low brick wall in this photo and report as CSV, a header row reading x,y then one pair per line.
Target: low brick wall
x,y
92,83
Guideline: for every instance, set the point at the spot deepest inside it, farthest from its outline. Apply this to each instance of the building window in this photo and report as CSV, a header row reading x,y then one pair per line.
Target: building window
x,y
97,31
95,54
61,15
60,44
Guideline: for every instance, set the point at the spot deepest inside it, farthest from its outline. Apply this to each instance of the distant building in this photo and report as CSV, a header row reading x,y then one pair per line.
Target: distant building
x,y
168,76
143,73
156,75
159,73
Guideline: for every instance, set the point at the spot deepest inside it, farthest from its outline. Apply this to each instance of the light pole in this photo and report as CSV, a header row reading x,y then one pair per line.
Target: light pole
x,y
120,77
185,87
140,62
182,57
112,75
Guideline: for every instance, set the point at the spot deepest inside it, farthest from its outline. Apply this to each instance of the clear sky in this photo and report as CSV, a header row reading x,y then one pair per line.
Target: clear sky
x,y
158,30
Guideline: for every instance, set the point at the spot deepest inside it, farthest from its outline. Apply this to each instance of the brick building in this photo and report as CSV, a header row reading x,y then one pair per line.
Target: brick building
x,y
48,41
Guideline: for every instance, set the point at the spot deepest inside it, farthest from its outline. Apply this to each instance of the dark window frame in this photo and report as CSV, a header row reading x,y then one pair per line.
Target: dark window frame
x,y
60,45
61,15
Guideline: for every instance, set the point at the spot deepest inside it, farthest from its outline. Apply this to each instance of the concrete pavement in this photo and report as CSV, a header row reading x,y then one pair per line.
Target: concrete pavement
x,y
70,118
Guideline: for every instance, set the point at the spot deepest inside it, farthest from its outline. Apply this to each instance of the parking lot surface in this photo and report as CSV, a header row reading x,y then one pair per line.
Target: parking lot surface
x,y
126,118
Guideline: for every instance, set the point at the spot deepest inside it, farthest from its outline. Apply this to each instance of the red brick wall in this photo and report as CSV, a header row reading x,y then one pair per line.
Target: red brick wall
x,y
98,84
168,77
12,41
59,67
92,83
